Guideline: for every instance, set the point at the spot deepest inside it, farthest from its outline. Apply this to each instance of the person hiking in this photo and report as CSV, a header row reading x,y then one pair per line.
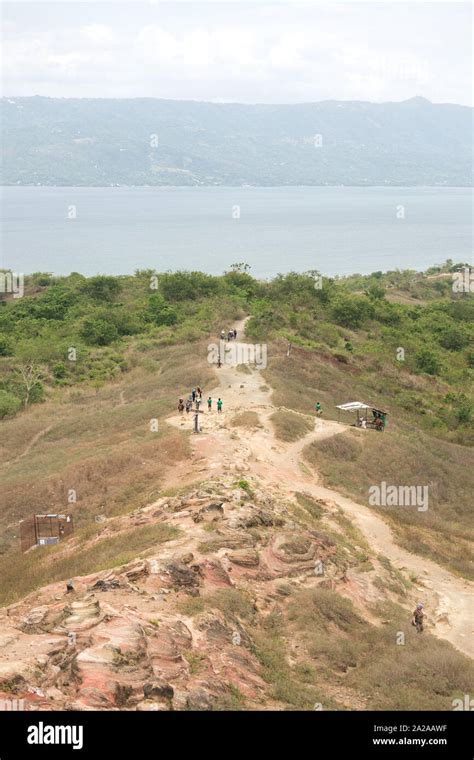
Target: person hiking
x,y
197,404
230,335
193,394
235,334
222,334
188,405
209,404
219,405
180,406
199,392
219,363
418,616
319,410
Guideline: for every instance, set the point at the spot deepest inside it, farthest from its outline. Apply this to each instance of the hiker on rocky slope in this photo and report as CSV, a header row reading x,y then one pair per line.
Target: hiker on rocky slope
x,y
418,617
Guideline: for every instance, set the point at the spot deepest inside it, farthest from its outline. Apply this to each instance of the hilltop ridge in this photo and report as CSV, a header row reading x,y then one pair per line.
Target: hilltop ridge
x,y
146,141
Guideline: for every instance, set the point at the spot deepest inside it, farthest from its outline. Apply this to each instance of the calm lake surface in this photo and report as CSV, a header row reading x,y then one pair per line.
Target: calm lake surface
x,y
337,230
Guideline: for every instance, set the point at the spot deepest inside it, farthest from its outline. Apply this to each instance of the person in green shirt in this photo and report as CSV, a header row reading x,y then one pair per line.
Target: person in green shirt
x,y
319,411
219,405
209,404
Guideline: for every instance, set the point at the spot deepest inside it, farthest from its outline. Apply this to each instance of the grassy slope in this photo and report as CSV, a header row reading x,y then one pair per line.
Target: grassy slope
x,y
100,445
404,454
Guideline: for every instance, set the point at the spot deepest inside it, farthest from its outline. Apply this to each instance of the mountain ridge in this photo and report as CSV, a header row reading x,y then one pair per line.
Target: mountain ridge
x,y
154,142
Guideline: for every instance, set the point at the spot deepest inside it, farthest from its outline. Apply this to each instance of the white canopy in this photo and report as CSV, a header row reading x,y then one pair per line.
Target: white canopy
x,y
353,406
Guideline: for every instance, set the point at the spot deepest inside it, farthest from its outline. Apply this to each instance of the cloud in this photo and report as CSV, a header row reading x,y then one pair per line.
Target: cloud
x,y
98,34
247,52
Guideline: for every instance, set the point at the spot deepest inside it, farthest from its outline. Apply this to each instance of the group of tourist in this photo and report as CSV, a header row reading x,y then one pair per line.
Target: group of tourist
x,y
195,397
231,334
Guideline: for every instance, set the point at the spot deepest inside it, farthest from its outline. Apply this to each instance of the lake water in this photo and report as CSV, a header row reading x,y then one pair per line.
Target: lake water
x,y
337,230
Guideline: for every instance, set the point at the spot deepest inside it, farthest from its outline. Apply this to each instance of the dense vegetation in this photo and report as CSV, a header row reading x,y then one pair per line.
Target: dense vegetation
x,y
144,141
406,337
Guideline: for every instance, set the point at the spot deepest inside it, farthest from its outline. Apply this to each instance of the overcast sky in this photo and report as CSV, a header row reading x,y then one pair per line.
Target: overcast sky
x,y
239,51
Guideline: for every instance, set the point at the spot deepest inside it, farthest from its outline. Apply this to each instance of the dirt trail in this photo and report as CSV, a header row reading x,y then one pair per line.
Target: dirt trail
x,y
220,447
30,445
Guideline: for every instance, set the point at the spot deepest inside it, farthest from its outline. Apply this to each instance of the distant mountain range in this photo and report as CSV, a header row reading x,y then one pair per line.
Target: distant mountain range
x,y
143,141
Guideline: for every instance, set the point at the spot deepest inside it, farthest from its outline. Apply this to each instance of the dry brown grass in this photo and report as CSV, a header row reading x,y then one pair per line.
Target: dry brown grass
x,y
290,426
354,461
98,446
246,420
406,454
424,673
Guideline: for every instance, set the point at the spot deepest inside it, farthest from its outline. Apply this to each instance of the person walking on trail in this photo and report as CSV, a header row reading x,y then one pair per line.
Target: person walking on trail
x,y
319,410
199,392
188,405
193,394
180,406
418,617
219,405
209,404
235,334
222,334
197,404
219,363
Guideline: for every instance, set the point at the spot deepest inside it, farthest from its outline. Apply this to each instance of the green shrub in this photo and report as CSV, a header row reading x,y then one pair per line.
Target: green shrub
x,y
102,288
427,361
9,404
98,332
5,346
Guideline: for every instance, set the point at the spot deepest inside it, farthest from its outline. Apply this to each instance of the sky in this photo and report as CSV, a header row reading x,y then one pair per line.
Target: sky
x,y
244,51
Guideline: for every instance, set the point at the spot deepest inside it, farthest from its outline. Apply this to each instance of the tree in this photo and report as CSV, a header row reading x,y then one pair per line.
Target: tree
x,y
427,361
31,376
102,287
351,311
187,286
375,291
98,332
160,312
240,267
453,338
463,413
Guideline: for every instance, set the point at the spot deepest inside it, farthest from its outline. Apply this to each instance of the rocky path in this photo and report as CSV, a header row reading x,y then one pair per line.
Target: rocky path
x,y
167,630
222,448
